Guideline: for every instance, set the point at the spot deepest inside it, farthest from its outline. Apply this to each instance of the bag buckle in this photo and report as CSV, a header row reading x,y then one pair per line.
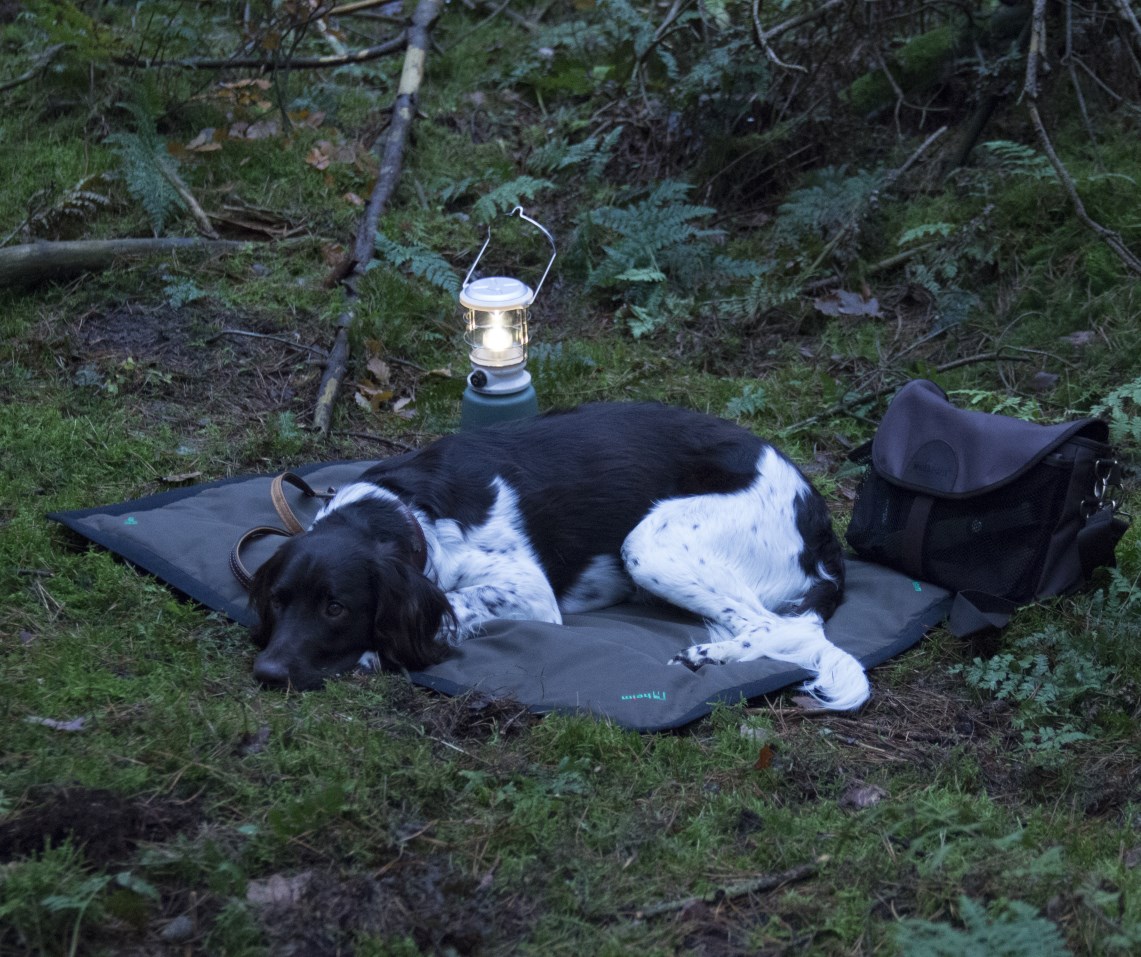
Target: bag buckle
x,y
1106,486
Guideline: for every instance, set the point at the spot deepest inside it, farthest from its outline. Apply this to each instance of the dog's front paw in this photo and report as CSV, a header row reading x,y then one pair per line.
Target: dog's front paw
x,y
694,657
369,663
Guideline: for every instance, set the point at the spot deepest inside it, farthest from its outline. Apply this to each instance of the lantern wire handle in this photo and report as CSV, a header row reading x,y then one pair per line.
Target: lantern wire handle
x,y
518,210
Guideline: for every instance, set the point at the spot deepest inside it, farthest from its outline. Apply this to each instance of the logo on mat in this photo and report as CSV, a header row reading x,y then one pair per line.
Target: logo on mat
x,y
644,695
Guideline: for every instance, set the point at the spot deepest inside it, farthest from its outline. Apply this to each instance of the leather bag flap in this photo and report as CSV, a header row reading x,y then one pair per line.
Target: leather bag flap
x,y
928,445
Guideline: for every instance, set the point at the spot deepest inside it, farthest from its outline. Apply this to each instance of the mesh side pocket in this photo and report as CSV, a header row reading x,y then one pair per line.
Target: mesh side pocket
x,y
994,543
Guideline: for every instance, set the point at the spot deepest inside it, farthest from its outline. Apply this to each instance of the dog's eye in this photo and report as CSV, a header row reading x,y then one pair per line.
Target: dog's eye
x,y
334,609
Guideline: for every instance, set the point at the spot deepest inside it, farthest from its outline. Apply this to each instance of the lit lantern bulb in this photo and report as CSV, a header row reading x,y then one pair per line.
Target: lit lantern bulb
x,y
497,338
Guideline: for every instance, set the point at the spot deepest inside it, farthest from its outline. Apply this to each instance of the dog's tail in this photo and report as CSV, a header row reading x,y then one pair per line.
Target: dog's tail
x,y
840,683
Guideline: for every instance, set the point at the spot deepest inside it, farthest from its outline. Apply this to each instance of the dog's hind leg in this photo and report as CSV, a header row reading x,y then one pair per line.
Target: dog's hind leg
x,y
735,560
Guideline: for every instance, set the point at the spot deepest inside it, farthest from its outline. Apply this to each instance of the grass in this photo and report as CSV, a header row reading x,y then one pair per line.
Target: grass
x,y
152,797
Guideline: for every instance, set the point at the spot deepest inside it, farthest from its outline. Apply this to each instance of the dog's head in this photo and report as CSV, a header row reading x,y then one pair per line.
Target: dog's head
x,y
328,597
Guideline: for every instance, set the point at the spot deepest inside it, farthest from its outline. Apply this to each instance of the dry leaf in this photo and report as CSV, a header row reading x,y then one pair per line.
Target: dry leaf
x,y
353,199
72,726
841,302
764,758
181,477
262,130
1081,338
399,405
860,796
379,369
204,142
254,742
278,890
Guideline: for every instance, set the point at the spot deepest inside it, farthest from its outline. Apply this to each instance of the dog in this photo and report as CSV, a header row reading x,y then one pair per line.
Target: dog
x,y
563,513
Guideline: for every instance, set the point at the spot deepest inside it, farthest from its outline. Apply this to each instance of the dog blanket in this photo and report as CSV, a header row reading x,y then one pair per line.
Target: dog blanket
x,y
610,663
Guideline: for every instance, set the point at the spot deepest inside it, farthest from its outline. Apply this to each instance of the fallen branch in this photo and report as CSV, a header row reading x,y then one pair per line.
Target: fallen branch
x,y
848,405
31,263
765,882
43,61
352,266
264,65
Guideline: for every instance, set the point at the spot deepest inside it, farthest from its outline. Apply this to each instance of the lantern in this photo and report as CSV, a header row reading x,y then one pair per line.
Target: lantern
x,y
496,310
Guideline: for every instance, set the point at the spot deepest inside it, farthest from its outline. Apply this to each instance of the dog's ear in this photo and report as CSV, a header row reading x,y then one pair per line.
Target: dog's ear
x,y
411,615
259,597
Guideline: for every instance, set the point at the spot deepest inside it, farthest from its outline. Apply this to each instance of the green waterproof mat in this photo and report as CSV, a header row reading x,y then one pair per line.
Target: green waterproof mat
x,y
610,663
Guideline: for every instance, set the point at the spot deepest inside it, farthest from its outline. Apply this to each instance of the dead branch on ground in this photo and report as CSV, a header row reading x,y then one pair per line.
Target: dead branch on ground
x,y
766,882
43,61
392,160
32,263
266,65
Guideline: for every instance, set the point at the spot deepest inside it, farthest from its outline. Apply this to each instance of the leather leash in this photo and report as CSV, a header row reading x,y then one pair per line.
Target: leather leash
x,y
284,512
294,527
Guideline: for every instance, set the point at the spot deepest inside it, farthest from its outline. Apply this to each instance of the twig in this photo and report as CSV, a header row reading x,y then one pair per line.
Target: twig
x,y
43,61
270,65
403,112
1030,91
762,40
335,368
265,335
766,882
847,406
205,227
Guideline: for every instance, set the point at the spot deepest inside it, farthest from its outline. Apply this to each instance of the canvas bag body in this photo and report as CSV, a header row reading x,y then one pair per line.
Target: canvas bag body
x,y
1001,510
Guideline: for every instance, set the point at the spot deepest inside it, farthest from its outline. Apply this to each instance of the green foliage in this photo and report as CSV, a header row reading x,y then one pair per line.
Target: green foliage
x,y
751,400
507,196
422,262
593,153
147,168
924,231
45,900
1015,931
1121,407
659,242
1015,159
833,200
1046,676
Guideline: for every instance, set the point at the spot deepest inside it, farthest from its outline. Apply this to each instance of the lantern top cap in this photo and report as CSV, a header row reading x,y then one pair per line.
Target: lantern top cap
x,y
496,292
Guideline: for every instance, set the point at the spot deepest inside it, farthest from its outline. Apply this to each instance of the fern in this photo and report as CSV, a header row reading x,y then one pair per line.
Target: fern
x,y
418,260
1018,160
750,401
148,169
660,240
924,231
763,294
82,203
593,153
506,197
832,203
1046,677
1121,408
1018,932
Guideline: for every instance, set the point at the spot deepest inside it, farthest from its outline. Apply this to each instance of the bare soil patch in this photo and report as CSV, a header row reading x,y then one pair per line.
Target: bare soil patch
x,y
106,825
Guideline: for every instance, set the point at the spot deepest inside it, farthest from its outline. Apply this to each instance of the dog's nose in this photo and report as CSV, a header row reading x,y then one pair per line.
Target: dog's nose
x,y
271,673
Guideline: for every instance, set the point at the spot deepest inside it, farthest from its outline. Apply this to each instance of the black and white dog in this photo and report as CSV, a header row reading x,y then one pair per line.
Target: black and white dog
x,y
567,512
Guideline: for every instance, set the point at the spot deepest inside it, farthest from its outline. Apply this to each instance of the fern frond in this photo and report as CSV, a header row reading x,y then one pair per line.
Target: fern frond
x,y
420,261
507,196
81,203
148,168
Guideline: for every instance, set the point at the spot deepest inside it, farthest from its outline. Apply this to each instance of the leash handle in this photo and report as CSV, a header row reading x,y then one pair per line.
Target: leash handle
x,y
281,504
237,566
